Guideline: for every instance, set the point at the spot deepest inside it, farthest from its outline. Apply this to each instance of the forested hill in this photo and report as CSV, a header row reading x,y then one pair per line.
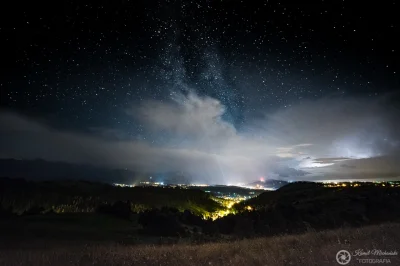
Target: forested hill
x,y
19,196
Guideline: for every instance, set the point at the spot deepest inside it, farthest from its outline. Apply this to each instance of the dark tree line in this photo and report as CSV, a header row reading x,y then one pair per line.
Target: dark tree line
x,y
180,213
21,196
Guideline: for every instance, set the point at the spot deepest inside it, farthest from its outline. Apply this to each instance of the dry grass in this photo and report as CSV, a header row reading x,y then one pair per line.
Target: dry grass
x,y
313,248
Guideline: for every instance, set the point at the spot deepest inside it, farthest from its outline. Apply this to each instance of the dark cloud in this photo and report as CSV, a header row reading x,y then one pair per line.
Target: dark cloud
x,y
347,166
290,172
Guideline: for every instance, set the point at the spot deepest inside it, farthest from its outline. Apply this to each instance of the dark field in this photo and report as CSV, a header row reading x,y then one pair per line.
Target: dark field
x,y
311,248
65,227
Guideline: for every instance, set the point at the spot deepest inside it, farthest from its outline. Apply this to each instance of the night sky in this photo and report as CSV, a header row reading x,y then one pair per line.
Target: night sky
x,y
226,91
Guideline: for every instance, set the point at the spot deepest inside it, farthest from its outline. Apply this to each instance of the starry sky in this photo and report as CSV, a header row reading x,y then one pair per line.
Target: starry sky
x,y
225,91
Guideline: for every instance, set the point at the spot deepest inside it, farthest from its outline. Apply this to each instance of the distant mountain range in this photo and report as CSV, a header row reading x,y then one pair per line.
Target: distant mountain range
x,y
45,170
269,183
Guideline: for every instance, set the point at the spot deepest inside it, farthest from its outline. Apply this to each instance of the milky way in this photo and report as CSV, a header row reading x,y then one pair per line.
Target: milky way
x,y
226,91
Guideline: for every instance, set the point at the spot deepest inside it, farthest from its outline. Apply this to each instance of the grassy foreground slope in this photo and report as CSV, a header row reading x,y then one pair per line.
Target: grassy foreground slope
x,y
311,248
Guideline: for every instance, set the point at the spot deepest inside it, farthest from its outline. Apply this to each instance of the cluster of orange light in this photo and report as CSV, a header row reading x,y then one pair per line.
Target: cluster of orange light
x,y
358,185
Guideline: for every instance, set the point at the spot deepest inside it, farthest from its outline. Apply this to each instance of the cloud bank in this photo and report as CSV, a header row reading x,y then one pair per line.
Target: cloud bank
x,y
322,139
